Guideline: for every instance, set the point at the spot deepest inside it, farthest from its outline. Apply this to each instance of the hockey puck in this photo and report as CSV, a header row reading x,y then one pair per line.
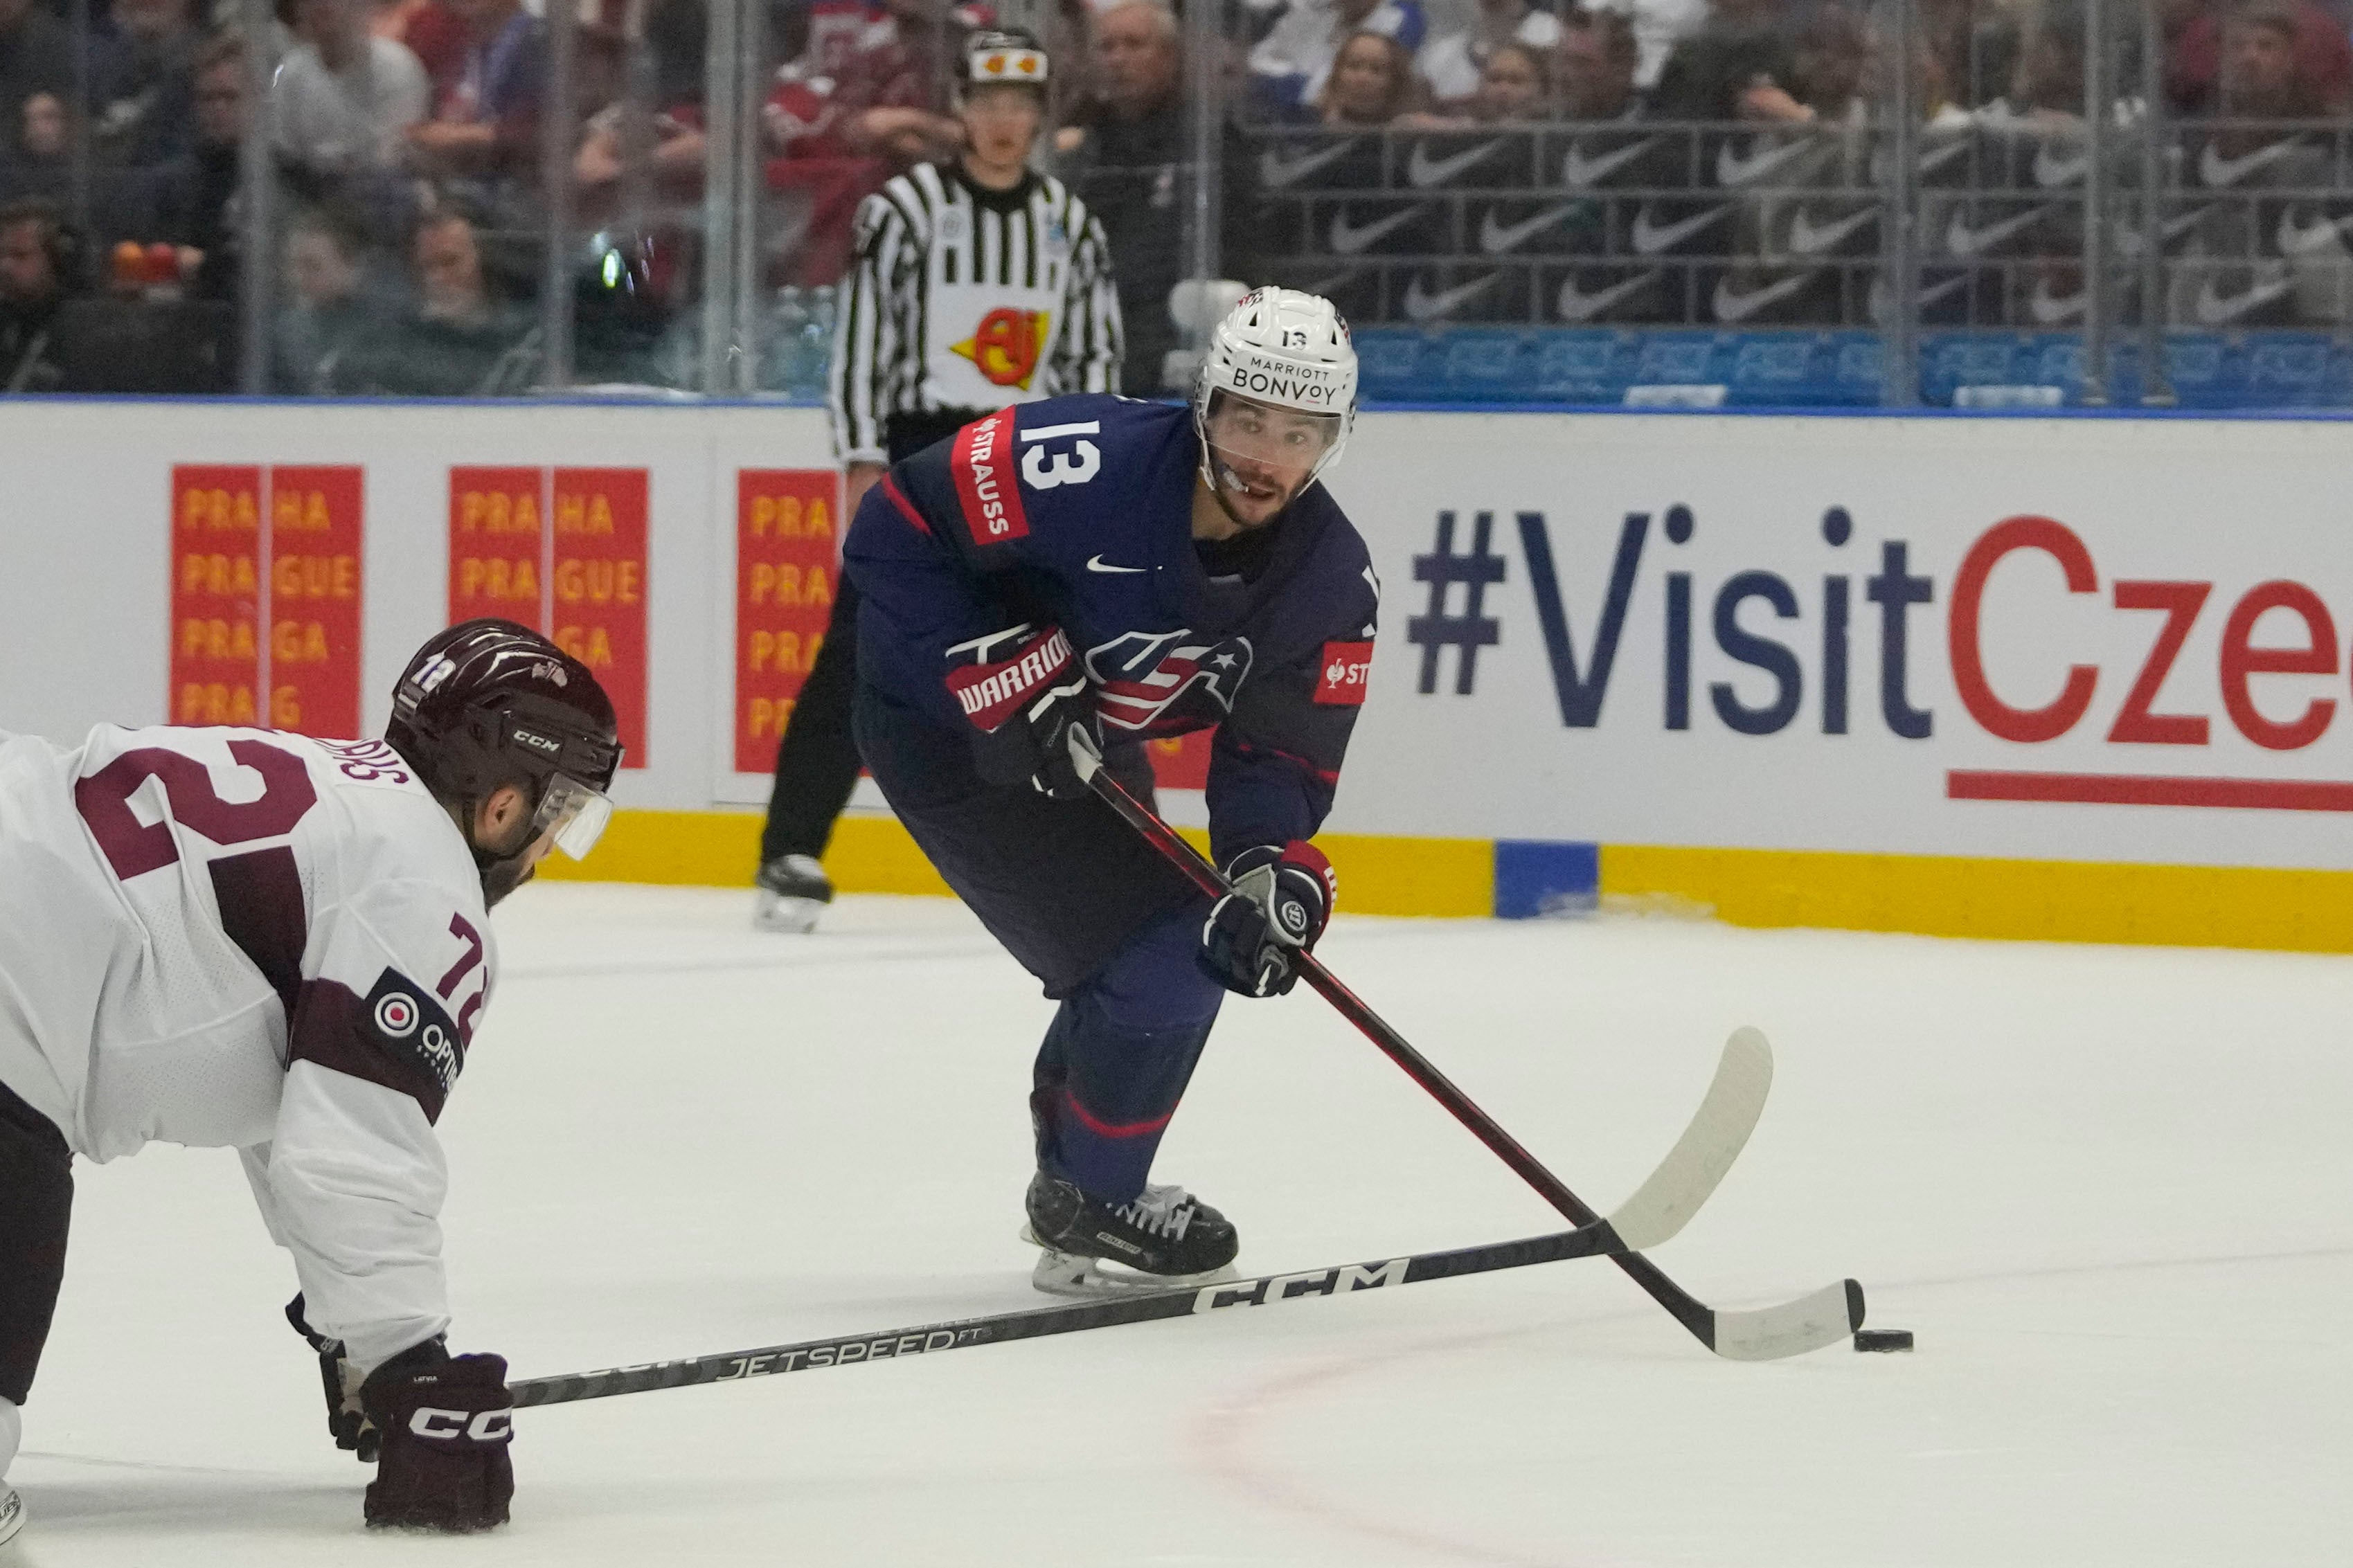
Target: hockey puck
x,y
1882,1339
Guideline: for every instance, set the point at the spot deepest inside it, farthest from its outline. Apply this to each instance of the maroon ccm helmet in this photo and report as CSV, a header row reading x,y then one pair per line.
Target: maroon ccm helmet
x,y
489,703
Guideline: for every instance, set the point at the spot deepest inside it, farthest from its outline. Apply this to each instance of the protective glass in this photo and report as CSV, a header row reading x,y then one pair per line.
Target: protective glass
x,y
572,814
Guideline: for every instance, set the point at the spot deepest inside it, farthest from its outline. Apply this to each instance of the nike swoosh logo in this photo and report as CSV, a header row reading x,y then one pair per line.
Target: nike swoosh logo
x,y
1576,305
2297,238
1930,159
1731,306
2175,227
1805,239
1494,238
2221,309
1421,306
1928,295
1731,169
2049,310
1097,564
1348,240
1273,169
1576,169
1963,240
1650,239
1423,169
2050,171
2216,170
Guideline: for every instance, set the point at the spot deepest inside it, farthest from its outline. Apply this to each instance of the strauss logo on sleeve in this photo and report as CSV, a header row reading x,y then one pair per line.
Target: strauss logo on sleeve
x,y
984,479
1347,674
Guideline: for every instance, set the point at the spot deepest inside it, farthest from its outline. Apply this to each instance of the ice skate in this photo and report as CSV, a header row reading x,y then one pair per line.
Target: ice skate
x,y
794,891
1165,1239
11,1514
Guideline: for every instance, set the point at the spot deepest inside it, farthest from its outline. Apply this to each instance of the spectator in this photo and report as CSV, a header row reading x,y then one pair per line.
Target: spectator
x,y
36,260
191,202
1595,68
1372,83
42,169
342,101
1710,69
461,339
668,137
1827,61
1656,27
486,124
328,309
890,91
427,29
2319,54
1289,67
1515,85
1451,63
146,97
1130,172
36,55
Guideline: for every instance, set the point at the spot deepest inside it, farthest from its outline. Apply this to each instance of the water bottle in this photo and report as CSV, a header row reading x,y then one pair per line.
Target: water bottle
x,y
787,321
816,341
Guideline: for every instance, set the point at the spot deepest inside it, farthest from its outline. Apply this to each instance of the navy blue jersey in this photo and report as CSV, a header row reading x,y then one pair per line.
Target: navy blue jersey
x,y
1077,512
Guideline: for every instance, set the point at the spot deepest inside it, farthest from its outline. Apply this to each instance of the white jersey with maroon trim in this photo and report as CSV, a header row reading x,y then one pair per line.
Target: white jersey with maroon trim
x,y
242,939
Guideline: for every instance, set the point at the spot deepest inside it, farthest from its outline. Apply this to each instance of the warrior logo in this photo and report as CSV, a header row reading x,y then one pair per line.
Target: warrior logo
x,y
1160,683
1007,345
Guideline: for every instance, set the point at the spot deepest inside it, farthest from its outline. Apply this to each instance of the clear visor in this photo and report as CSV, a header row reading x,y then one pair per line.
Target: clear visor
x,y
1286,439
572,814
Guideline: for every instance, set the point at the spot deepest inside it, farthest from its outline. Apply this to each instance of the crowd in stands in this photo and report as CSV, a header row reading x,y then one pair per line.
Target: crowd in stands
x,y
1512,160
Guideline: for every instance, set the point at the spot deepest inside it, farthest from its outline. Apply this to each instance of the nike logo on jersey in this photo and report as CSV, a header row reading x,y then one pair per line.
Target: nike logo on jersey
x,y
2219,310
1275,170
1649,239
1963,240
2216,170
1733,305
1421,169
2300,239
1423,306
1348,238
1576,169
2052,170
1733,169
1097,564
1495,239
1576,305
1805,240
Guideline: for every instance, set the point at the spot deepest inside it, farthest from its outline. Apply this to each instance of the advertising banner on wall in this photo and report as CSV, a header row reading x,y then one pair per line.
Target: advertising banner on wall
x,y
2095,640
565,552
787,558
266,597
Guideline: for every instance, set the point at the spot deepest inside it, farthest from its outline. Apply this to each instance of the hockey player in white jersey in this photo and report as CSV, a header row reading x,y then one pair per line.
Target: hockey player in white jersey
x,y
251,940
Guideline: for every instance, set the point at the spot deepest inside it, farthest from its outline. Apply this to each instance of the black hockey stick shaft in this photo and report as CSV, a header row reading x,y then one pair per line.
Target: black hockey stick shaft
x,y
1137,1306
1693,1314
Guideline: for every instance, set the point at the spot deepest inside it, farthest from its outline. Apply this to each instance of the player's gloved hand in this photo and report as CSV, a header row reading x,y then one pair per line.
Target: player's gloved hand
x,y
1254,934
446,1423
1024,694
347,1423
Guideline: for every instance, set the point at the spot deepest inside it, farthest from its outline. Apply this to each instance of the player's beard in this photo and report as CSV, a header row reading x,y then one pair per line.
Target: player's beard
x,y
502,876
1226,481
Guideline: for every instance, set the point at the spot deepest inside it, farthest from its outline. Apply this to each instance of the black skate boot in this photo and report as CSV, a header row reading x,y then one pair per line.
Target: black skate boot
x,y
794,891
1165,1238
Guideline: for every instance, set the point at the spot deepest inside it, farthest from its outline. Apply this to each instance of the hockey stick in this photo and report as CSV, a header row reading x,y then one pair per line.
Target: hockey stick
x,y
1658,1209
1793,1328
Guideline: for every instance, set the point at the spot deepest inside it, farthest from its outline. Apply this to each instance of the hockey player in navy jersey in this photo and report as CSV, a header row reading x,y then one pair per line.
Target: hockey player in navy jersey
x,y
1117,570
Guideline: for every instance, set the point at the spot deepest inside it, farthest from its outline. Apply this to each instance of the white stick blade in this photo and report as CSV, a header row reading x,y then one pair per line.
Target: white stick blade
x,y
1790,1328
1718,1131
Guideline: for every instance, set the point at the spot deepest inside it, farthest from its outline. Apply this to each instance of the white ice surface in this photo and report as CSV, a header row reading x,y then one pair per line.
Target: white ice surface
x,y
2109,1187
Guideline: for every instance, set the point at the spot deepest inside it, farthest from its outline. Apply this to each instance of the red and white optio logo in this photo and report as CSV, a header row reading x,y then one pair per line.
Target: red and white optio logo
x,y
396,1015
1347,674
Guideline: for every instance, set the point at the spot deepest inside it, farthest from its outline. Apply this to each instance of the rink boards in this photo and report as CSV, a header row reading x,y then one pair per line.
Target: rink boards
x,y
2029,677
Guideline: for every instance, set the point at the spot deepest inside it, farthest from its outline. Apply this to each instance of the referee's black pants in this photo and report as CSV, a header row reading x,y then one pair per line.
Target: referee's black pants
x,y
816,762
36,1208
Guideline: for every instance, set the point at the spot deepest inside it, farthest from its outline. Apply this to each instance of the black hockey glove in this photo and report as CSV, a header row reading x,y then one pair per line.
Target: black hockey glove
x,y
347,1423
1024,695
1254,934
447,1424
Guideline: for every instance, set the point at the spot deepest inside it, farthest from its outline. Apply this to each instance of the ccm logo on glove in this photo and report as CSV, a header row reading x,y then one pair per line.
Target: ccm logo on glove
x,y
482,1426
1280,899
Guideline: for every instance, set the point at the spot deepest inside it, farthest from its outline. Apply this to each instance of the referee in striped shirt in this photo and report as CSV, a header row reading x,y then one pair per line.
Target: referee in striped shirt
x,y
974,286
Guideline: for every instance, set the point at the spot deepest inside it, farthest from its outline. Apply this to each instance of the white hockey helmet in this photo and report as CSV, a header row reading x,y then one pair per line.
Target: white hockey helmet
x,y
1287,349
